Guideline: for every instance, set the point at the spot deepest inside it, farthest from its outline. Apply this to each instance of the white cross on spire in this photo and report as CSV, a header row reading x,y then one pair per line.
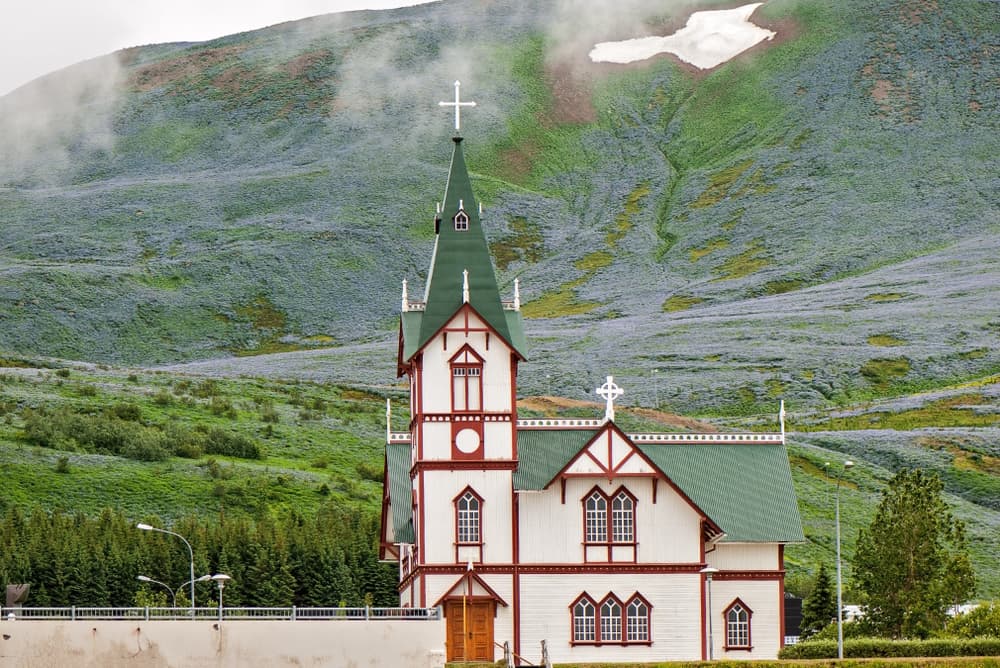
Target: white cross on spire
x,y
609,391
458,104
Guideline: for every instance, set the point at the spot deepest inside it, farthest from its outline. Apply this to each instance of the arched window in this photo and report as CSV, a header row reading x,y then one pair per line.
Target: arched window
x,y
461,221
637,620
584,620
611,620
596,512
738,625
622,518
609,520
468,518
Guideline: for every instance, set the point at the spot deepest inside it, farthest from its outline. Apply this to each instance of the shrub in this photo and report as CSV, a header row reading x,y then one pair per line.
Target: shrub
x,y
221,442
885,648
983,620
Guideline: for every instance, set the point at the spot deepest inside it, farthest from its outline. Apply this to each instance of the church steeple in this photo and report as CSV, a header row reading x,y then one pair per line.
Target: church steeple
x,y
461,247
461,269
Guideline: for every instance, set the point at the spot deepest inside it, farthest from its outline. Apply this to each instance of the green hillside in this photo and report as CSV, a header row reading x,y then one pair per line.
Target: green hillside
x,y
317,443
217,233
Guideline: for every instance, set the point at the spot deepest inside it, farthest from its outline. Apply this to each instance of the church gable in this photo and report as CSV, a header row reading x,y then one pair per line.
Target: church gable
x,y
610,454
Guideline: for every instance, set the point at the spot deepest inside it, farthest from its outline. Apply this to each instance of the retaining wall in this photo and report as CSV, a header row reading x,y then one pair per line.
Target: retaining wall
x,y
227,644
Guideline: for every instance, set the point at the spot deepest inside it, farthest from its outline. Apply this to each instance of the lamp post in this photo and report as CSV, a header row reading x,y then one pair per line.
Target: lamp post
x,y
173,592
143,578
220,579
840,602
147,527
708,572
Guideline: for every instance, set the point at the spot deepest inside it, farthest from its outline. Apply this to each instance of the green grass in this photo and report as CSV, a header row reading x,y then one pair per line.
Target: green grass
x,y
680,303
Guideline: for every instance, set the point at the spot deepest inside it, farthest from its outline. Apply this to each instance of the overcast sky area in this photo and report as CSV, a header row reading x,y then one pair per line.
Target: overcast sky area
x,y
40,36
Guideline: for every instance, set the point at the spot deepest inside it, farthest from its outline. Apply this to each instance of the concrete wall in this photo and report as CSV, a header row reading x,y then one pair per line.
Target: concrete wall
x,y
233,643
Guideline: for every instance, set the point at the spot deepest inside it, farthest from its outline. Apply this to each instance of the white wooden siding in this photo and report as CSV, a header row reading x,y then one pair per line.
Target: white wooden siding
x,y
668,531
745,557
441,488
675,618
763,597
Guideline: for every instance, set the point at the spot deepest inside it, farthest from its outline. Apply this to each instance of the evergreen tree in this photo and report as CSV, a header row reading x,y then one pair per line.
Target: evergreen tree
x,y
820,608
912,562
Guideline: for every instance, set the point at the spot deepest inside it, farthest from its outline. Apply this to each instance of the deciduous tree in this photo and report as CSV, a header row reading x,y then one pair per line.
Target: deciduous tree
x,y
912,562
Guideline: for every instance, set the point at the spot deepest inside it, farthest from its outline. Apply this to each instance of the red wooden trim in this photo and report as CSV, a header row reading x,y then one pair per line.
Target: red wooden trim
x,y
467,348
476,465
594,568
513,405
749,575
655,484
516,558
704,614
466,581
488,328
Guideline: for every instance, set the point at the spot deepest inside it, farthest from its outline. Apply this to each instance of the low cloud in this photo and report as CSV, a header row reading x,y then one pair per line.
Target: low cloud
x,y
67,112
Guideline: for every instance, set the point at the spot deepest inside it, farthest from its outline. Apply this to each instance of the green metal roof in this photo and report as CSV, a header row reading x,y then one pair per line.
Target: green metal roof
x,y
397,457
746,489
541,454
456,251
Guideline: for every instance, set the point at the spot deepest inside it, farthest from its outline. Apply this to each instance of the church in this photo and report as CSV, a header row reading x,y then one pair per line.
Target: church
x,y
605,545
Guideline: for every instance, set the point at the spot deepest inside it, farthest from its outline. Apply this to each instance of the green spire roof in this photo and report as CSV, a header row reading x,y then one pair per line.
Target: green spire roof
x,y
458,248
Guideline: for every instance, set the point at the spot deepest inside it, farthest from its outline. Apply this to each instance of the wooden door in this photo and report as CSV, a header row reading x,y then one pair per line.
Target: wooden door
x,y
474,636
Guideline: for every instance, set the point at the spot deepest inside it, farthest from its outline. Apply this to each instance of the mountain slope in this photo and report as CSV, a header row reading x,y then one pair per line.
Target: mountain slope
x,y
252,195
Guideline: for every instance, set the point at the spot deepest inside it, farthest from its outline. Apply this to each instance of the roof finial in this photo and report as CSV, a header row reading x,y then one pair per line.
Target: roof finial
x,y
781,419
388,420
609,391
465,286
517,294
406,300
458,104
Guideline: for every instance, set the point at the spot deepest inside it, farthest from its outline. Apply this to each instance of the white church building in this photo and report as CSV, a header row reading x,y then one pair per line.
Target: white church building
x,y
609,546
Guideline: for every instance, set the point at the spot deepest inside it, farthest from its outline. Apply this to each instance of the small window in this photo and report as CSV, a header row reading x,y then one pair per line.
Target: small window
x,y
637,620
584,621
611,621
467,509
738,626
597,517
461,221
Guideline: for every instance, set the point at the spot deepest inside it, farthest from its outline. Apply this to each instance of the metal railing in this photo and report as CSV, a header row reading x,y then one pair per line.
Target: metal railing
x,y
75,613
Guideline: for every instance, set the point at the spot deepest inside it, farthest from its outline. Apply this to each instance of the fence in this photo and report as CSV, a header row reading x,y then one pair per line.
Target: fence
x,y
293,613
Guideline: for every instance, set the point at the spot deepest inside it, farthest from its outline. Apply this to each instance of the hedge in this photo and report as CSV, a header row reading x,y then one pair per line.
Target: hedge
x,y
884,648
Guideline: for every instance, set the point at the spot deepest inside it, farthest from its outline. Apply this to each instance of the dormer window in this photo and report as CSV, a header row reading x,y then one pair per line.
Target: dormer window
x,y
461,221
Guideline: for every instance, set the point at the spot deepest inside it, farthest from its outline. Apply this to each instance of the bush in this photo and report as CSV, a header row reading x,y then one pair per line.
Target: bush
x,y
885,648
981,621
221,442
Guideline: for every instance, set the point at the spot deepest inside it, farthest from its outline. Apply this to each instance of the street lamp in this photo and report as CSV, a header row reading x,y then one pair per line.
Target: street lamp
x,y
143,578
220,579
147,527
708,572
173,592
840,602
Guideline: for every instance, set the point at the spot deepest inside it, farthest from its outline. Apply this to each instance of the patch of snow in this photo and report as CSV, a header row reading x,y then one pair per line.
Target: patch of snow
x,y
708,39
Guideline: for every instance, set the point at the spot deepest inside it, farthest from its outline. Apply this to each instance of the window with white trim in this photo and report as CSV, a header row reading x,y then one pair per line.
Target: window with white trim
x,y
468,517
597,517
609,520
584,621
610,622
622,518
738,626
637,620
461,221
